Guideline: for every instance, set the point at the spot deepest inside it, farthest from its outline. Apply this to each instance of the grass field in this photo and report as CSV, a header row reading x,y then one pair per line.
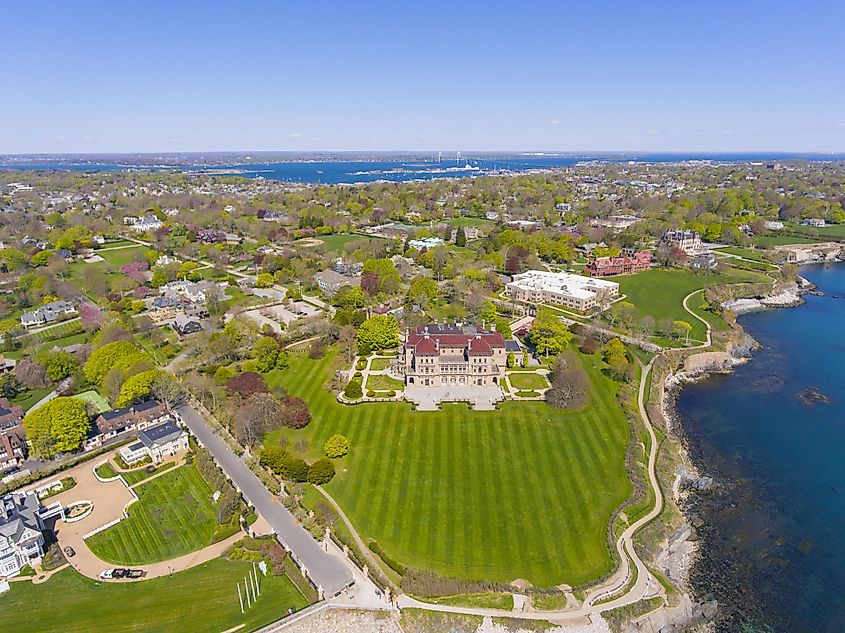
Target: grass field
x,y
765,241
747,253
378,364
527,380
28,398
379,382
174,516
660,292
524,492
137,476
200,600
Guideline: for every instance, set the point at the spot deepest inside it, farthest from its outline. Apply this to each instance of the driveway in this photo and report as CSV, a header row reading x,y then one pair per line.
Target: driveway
x,y
326,570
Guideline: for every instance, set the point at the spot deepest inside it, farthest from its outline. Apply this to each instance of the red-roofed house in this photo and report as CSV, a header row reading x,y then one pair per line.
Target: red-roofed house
x,y
454,354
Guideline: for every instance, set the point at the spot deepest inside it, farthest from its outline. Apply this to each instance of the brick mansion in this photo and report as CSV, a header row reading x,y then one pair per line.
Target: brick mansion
x,y
453,354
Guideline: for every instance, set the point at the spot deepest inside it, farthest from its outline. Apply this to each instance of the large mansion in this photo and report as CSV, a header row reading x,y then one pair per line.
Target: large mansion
x,y
454,354
564,289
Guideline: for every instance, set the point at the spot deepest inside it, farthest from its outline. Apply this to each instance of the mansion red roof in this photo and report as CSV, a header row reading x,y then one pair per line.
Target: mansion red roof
x,y
428,340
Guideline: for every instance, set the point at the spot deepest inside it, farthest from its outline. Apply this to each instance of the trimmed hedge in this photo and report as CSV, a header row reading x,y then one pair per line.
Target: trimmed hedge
x,y
396,566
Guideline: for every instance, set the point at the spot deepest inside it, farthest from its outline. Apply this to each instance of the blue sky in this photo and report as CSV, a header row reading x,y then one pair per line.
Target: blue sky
x,y
204,76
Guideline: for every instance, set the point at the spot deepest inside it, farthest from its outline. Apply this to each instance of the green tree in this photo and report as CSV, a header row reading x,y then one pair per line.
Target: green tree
x,y
549,335
423,291
294,468
59,426
118,354
273,457
681,330
336,446
59,364
321,472
159,278
503,328
380,331
511,361
137,388
265,353
460,237
264,280
283,360
349,297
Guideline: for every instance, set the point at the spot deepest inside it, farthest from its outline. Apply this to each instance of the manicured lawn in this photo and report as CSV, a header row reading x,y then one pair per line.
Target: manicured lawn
x,y
524,492
527,380
747,253
119,257
660,292
336,243
379,382
378,364
174,516
136,476
106,471
765,241
28,398
199,600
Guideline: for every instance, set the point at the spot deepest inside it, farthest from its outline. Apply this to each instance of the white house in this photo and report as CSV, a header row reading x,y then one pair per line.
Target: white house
x,y
685,240
48,313
156,442
21,538
426,242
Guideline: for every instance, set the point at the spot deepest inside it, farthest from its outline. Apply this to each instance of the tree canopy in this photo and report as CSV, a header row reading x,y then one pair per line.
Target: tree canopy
x,y
58,426
549,335
380,331
118,354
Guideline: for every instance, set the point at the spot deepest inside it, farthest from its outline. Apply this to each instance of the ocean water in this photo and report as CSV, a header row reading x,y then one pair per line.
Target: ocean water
x,y
772,536
360,171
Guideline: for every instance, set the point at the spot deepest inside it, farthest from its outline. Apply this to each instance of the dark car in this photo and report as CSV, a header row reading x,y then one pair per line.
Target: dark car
x,y
120,572
69,551
136,573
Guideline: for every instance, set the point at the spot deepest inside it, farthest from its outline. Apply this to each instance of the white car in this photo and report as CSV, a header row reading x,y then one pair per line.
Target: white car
x,y
106,574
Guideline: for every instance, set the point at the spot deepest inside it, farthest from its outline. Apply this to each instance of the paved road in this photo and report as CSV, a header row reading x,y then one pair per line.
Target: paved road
x,y
325,570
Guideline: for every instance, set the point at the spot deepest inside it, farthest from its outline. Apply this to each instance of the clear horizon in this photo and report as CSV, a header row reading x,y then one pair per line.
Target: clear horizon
x,y
107,78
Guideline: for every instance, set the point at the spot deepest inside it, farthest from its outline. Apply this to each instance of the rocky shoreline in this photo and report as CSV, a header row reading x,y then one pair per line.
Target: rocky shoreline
x,y
687,547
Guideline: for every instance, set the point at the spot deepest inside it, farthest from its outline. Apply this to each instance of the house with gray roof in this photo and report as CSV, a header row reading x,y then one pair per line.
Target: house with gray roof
x,y
21,527
48,313
156,442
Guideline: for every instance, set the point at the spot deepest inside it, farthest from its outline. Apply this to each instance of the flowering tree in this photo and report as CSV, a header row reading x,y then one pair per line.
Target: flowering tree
x,y
91,316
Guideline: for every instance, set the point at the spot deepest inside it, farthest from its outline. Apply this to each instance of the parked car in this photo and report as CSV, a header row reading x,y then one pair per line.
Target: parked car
x,y
120,572
136,573
106,574
69,551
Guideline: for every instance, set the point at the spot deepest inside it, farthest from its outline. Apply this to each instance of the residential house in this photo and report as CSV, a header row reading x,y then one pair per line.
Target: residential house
x,y
156,442
211,236
148,222
184,325
12,436
48,313
195,291
426,242
704,261
330,282
817,222
773,225
112,423
21,527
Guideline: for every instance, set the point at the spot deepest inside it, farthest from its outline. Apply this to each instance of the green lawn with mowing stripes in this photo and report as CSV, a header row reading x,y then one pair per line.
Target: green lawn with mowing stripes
x,y
524,492
174,516
202,599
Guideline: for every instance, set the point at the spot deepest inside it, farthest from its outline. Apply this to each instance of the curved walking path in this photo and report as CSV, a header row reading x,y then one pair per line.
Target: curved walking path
x,y
645,586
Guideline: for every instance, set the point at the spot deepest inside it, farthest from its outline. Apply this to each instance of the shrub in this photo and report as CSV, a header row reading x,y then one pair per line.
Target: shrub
x,y
396,566
371,393
391,393
320,472
336,446
353,390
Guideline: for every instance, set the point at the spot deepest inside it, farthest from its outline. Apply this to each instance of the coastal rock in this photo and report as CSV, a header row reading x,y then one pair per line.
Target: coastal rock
x,y
811,397
682,617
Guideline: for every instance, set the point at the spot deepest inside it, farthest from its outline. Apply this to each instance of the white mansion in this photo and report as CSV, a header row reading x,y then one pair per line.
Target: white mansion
x,y
564,289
